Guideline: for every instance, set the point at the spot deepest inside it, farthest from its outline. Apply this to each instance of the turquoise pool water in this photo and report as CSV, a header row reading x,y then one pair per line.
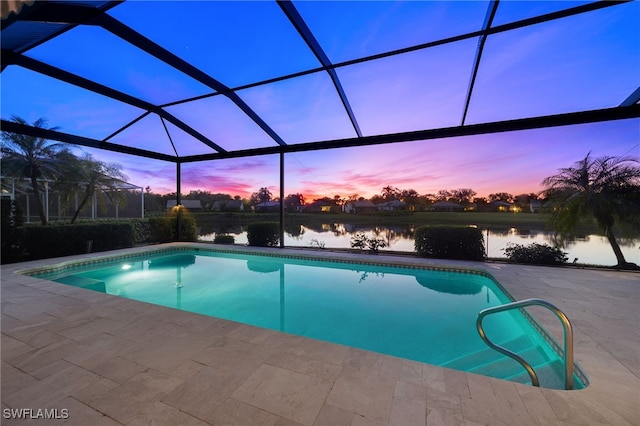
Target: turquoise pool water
x,y
417,314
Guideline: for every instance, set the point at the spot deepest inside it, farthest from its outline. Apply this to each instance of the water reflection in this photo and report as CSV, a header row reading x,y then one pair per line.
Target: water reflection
x,y
450,286
177,262
587,248
264,266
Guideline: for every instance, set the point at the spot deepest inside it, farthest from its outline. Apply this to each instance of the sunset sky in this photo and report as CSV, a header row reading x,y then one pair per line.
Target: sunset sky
x,y
582,62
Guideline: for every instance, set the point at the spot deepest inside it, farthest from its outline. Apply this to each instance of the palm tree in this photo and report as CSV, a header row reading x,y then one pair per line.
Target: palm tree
x,y
264,195
32,157
88,176
605,188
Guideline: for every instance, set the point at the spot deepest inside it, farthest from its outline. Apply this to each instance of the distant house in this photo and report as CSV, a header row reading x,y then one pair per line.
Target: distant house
x,y
320,206
447,206
360,206
228,206
535,206
500,206
392,206
267,207
193,205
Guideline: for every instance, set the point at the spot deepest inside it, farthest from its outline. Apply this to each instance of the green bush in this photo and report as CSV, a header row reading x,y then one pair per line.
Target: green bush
x,y
141,230
224,239
534,253
164,229
188,229
161,229
10,231
263,234
449,242
55,240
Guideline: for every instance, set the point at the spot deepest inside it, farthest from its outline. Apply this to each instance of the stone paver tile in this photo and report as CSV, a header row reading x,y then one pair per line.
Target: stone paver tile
x,y
201,394
38,358
33,315
158,414
608,409
172,356
50,369
410,391
322,351
237,413
331,416
136,395
282,421
70,307
363,393
251,334
391,367
13,379
98,349
359,359
360,420
480,388
455,382
10,323
409,405
283,342
47,393
234,355
90,327
483,413
444,402
80,414
536,405
94,390
314,368
289,394
408,413
34,335
118,369
143,328
510,406
439,417
433,377
570,410
412,372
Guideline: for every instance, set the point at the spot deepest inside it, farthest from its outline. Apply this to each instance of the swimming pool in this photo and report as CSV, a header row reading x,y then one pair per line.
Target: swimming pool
x,y
420,314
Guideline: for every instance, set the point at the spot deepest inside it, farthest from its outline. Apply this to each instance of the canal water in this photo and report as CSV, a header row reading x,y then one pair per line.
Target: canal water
x,y
587,249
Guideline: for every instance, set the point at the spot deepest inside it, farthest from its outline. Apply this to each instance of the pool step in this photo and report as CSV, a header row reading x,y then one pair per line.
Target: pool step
x,y
506,367
489,362
83,282
487,355
550,375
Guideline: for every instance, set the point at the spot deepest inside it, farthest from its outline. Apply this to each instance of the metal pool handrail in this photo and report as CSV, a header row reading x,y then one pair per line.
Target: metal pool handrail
x,y
568,337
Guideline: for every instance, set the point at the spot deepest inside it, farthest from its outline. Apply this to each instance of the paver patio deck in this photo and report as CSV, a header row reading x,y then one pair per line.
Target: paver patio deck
x,y
111,361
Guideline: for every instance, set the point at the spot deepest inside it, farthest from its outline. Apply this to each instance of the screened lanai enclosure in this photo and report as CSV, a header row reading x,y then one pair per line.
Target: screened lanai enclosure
x,y
104,203
184,82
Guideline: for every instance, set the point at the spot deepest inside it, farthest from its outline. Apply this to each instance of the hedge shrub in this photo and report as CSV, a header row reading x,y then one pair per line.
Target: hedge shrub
x,y
263,234
141,230
10,231
164,229
450,242
534,253
55,240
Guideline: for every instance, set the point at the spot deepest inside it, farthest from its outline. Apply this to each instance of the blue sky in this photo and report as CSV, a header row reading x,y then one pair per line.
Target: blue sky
x,y
587,61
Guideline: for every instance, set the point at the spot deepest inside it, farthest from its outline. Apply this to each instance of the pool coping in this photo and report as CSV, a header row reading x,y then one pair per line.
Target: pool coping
x,y
611,398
